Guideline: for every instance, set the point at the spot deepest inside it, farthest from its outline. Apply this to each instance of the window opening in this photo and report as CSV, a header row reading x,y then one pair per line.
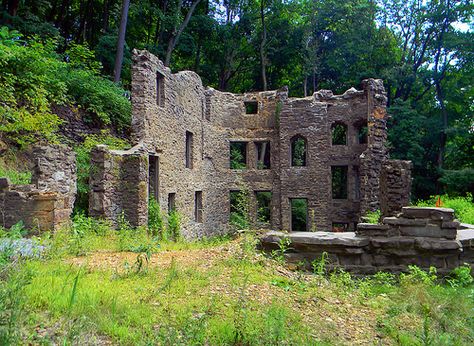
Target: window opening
x,y
153,169
339,134
298,151
362,133
251,107
264,200
339,182
340,227
198,206
160,89
263,155
238,155
171,202
189,150
299,214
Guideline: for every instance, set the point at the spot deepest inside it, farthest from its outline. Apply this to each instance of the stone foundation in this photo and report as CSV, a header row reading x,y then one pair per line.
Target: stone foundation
x,y
47,202
418,236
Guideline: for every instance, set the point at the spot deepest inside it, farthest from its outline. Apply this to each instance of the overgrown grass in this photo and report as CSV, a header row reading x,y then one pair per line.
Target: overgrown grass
x,y
224,293
463,206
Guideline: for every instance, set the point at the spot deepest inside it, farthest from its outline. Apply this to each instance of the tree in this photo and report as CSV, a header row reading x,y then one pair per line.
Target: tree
x,y
121,41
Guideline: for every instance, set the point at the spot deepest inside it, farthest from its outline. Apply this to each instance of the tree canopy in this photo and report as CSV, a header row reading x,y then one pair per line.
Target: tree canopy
x,y
423,50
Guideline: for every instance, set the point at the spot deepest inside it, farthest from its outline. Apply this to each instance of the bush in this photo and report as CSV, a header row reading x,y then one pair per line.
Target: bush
x,y
34,77
463,206
457,182
155,218
372,217
106,102
174,225
29,84
15,177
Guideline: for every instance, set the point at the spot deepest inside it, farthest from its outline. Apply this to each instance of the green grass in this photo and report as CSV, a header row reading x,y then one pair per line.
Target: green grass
x,y
217,291
463,206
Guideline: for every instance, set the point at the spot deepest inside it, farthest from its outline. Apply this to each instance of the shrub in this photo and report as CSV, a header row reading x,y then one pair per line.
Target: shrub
x,y
463,206
155,218
28,86
15,177
174,225
372,217
460,277
34,77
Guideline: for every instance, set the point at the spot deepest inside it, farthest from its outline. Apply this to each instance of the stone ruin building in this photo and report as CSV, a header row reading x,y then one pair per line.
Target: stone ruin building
x,y
311,166
324,152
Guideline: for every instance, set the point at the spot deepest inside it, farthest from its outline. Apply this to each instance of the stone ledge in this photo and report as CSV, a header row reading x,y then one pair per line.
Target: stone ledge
x,y
445,214
318,238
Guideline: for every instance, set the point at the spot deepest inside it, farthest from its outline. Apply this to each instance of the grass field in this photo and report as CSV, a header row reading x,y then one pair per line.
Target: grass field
x,y
91,289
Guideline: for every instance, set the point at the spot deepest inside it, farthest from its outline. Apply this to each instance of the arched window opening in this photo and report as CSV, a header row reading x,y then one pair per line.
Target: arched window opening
x,y
339,134
298,151
362,132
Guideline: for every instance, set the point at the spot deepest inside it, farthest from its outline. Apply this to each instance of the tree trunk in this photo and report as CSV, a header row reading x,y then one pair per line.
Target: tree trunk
x,y
175,36
263,42
105,17
13,7
121,41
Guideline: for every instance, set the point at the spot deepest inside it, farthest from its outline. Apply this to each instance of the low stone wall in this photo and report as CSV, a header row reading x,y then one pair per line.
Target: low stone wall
x,y
119,185
418,236
47,202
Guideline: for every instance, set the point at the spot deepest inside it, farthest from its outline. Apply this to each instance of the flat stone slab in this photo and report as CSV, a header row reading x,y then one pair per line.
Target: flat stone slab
x,y
466,226
445,214
466,234
318,238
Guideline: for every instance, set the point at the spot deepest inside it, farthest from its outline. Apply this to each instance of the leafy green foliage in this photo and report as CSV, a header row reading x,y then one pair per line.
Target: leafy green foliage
x,y
238,155
463,206
240,208
155,218
372,217
15,177
34,77
174,225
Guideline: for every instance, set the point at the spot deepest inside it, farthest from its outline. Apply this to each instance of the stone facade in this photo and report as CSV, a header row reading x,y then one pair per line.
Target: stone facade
x,y
119,184
187,130
47,202
417,236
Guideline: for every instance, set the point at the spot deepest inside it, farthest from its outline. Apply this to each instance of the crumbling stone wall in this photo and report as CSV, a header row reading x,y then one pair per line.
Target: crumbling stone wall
x,y
376,153
119,185
47,203
417,236
395,186
168,109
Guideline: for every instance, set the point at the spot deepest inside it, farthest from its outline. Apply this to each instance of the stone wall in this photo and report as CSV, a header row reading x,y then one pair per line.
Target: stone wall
x,y
168,108
119,185
47,203
395,184
418,236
